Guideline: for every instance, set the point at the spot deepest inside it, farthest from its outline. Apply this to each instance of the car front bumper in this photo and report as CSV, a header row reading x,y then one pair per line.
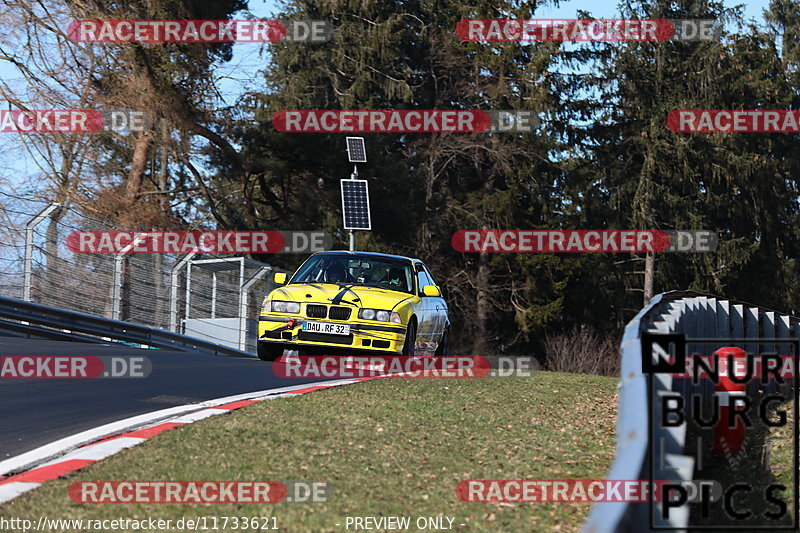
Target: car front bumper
x,y
364,336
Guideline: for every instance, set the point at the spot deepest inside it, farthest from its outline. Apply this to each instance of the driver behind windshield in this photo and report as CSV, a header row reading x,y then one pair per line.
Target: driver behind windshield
x,y
336,272
396,277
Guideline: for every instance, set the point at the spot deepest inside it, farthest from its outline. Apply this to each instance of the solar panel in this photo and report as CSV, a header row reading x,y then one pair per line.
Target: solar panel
x,y
356,152
355,204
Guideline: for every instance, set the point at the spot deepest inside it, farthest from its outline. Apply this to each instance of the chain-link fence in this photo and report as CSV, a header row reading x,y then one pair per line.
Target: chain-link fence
x,y
212,297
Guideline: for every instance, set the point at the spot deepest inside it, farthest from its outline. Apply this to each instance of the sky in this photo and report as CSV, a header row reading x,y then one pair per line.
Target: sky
x,y
241,73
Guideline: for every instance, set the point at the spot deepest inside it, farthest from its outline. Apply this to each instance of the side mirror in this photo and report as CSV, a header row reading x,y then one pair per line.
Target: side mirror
x,y
431,290
280,278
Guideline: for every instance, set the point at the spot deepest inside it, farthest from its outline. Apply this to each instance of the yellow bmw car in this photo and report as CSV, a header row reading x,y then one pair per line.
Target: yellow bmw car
x,y
355,302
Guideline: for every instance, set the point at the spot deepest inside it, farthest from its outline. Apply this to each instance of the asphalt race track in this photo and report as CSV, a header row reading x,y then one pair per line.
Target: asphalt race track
x,y
35,412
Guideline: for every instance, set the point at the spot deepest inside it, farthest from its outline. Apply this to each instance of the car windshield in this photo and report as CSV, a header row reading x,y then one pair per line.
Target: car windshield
x,y
370,271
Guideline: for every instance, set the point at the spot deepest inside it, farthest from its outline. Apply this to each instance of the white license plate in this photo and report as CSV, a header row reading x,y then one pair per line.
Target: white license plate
x,y
327,327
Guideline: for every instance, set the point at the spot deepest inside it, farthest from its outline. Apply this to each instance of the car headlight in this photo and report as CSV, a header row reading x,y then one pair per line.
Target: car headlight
x,y
278,306
380,314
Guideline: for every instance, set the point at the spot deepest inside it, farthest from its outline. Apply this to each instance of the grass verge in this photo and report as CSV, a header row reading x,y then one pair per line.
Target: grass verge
x,y
781,452
392,447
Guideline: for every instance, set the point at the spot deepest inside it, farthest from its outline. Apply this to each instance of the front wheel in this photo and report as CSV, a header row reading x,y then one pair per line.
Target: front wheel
x,y
268,351
411,338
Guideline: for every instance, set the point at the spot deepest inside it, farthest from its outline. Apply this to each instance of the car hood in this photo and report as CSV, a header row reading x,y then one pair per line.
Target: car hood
x,y
345,294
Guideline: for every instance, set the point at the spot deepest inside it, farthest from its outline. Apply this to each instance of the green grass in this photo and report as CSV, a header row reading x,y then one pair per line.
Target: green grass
x,y
392,447
766,460
781,450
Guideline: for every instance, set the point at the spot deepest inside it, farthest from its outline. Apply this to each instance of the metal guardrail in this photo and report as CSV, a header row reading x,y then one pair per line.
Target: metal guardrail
x,y
147,289
696,316
51,322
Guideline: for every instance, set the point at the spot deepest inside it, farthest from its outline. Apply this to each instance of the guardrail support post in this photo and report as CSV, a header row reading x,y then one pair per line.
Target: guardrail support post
x,y
243,301
242,308
116,294
173,295
188,293
116,288
29,227
214,294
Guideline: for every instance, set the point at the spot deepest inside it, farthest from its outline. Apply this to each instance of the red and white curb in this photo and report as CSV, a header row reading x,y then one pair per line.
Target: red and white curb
x,y
29,470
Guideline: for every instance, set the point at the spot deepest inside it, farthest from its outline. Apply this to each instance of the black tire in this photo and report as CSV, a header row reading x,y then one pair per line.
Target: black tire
x,y
268,351
444,344
411,338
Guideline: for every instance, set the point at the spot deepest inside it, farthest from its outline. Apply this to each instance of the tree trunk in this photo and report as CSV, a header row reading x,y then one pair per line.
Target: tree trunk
x,y
136,173
132,190
51,284
649,270
158,273
480,343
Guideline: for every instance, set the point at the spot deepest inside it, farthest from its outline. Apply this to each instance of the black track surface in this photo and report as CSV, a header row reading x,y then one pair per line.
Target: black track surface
x,y
35,412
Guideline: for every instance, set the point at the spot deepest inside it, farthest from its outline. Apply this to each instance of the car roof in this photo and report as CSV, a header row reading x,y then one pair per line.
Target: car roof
x,y
378,254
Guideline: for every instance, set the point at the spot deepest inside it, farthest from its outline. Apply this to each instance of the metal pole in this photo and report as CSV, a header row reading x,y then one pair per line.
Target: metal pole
x,y
116,288
29,226
353,176
188,291
214,295
243,309
116,294
173,295
242,316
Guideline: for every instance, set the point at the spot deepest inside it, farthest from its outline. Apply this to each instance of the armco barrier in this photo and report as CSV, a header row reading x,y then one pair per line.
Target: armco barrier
x,y
36,320
698,316
216,294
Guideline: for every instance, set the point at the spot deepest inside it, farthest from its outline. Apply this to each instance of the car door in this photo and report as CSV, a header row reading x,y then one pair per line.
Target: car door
x,y
437,310
424,326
